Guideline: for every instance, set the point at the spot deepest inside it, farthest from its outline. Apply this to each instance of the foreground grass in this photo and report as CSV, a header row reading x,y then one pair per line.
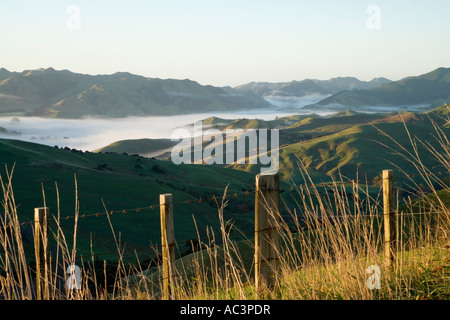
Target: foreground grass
x,y
418,274
422,274
333,258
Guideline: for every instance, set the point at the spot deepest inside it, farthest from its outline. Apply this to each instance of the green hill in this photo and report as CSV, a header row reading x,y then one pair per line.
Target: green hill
x,y
122,182
149,148
353,145
348,143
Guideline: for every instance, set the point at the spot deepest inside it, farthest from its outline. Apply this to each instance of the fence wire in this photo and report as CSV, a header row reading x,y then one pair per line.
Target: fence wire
x,y
228,196
291,189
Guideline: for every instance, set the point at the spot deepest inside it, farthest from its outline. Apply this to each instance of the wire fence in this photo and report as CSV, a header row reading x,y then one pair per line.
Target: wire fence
x,y
215,199
267,224
292,189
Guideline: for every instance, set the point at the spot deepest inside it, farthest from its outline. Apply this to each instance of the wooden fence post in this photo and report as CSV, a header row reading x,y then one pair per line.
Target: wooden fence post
x,y
389,218
167,245
267,237
42,253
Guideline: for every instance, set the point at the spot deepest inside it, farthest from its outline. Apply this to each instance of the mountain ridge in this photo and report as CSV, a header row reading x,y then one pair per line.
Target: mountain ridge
x,y
298,88
65,94
432,88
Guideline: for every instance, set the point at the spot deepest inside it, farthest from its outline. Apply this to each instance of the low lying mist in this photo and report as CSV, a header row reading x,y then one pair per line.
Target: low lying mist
x,y
288,102
90,134
335,107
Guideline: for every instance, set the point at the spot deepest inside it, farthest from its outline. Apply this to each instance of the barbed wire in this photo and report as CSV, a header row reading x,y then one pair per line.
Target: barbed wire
x,y
97,214
123,252
228,196
231,195
151,207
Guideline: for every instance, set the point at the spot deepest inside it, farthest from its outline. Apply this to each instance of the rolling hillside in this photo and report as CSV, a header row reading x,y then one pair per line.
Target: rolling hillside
x,y
122,182
354,146
350,143
149,148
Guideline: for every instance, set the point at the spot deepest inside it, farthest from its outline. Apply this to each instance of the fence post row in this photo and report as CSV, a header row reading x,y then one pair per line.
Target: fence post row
x,y
42,253
167,245
267,237
389,217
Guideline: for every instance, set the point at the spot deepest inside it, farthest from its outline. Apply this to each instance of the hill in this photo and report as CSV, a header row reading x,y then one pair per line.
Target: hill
x,y
122,182
357,146
64,94
149,148
430,89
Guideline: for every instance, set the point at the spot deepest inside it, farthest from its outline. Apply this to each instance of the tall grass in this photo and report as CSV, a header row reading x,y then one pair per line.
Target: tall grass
x,y
330,244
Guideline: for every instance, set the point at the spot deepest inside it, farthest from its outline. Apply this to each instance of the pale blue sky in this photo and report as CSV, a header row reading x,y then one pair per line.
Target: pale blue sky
x,y
228,42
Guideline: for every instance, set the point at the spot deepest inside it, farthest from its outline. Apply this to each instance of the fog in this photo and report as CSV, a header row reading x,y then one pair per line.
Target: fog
x,y
335,107
90,134
287,102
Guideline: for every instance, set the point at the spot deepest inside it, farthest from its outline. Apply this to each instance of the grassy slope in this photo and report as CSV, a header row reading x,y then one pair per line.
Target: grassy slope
x,y
351,144
133,182
424,268
144,147
424,272
356,148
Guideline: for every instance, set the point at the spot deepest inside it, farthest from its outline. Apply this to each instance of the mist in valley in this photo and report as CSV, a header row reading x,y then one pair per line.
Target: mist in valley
x,y
292,102
89,134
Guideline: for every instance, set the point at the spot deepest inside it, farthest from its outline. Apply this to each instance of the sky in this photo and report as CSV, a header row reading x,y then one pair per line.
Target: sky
x,y
228,42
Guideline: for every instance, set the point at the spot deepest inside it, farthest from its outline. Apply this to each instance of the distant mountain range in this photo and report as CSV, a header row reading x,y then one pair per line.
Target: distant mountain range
x,y
64,94
432,89
428,90
309,87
